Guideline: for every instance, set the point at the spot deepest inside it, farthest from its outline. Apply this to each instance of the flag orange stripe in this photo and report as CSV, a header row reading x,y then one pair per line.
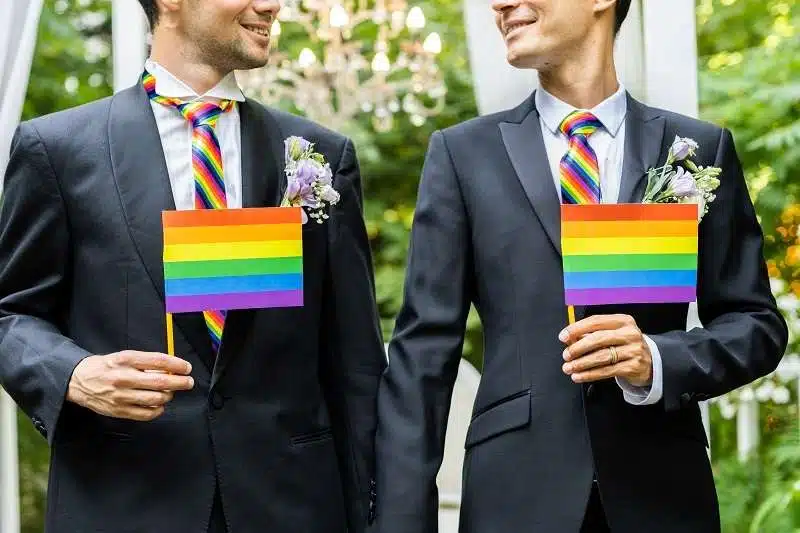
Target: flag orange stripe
x,y
644,213
629,228
231,217
254,232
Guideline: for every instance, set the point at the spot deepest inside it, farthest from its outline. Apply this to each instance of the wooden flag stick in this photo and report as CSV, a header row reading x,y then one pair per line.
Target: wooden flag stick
x,y
170,336
571,314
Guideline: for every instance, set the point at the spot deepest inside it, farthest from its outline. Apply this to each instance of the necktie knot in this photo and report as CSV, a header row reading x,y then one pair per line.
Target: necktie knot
x,y
580,123
198,112
201,113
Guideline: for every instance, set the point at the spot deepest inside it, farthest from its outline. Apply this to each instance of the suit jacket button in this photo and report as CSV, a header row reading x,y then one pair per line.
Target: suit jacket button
x,y
686,398
217,400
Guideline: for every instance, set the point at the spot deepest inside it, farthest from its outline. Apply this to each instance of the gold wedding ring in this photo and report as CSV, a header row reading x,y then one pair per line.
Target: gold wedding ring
x,y
614,357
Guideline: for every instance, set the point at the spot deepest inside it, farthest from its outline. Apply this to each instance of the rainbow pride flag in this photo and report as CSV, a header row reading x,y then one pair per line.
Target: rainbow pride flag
x,y
629,253
225,259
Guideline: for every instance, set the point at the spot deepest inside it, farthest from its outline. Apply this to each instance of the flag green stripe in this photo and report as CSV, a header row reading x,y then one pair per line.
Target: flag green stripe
x,y
234,267
606,263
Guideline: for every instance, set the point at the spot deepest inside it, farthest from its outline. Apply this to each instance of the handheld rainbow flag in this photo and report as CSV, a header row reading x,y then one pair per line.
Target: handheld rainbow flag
x,y
225,259
233,259
629,253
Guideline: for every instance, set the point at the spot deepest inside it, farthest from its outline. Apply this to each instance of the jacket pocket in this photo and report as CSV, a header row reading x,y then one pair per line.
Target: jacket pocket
x,y
511,413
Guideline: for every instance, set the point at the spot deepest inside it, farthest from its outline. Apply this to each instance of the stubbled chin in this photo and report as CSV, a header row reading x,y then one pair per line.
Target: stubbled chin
x,y
251,56
515,58
256,60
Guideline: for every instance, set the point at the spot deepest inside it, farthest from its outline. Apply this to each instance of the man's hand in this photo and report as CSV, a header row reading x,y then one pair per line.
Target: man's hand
x,y
607,346
132,385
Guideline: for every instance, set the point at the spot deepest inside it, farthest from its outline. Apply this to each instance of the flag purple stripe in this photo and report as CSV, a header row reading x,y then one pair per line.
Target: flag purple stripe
x,y
630,295
249,300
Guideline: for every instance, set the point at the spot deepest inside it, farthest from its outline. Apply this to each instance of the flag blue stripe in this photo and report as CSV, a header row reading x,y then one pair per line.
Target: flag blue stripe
x,y
233,284
628,278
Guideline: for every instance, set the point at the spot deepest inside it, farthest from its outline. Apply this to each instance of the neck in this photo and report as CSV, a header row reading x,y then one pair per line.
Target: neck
x,y
584,81
183,61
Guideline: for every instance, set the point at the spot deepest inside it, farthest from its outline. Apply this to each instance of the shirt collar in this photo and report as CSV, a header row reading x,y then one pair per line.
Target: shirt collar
x,y
169,86
611,111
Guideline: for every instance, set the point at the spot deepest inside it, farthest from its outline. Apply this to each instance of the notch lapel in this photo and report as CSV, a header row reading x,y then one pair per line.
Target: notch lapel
x,y
644,138
140,173
525,146
262,153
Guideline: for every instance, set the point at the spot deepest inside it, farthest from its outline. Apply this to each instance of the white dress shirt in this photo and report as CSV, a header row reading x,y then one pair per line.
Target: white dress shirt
x,y
176,135
608,144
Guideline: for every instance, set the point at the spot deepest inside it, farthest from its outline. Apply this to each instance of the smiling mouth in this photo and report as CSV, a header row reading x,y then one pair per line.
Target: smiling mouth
x,y
511,28
258,30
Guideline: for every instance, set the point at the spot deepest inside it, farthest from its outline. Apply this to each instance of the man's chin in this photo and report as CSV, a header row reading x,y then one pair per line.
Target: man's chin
x,y
528,59
519,60
252,61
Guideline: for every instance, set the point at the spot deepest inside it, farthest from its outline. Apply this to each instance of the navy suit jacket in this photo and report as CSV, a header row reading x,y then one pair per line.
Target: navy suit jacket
x,y
282,420
487,232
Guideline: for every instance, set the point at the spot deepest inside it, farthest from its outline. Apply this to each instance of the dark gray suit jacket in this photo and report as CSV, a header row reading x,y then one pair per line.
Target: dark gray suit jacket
x,y
487,231
283,420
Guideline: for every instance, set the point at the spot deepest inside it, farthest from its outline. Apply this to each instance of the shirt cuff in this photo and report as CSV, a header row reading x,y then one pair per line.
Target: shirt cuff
x,y
645,395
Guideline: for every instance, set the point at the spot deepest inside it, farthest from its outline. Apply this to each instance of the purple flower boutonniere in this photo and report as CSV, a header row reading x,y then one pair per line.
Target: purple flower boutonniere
x,y
309,180
680,180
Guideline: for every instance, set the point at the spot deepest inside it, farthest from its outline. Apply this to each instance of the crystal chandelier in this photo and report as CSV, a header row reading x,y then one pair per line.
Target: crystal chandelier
x,y
332,59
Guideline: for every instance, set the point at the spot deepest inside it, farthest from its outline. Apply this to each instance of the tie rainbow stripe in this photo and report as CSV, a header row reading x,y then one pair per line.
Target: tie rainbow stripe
x,y
580,172
209,183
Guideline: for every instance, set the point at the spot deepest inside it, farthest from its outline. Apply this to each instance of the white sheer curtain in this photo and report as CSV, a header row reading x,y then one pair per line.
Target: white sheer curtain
x,y
128,36
19,21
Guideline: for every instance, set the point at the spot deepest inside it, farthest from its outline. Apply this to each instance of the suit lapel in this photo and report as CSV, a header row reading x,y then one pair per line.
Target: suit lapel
x,y
262,153
522,137
644,137
140,173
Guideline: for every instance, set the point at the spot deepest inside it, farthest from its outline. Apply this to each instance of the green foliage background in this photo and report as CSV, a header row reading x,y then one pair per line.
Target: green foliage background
x,y
749,81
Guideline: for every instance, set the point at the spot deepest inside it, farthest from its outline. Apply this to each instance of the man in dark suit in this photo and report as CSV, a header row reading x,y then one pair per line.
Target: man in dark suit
x,y
272,431
587,428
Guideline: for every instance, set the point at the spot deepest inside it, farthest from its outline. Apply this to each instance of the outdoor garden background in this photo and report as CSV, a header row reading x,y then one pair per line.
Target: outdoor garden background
x,y
749,57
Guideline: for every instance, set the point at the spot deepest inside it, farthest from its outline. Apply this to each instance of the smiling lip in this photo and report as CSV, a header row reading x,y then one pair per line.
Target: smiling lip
x,y
258,29
511,27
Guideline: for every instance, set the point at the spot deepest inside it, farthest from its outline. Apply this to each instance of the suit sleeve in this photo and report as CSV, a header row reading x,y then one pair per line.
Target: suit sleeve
x,y
36,359
744,335
356,357
415,394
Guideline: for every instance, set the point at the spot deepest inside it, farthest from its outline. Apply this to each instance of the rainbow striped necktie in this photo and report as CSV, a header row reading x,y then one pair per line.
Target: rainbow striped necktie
x,y
209,185
580,173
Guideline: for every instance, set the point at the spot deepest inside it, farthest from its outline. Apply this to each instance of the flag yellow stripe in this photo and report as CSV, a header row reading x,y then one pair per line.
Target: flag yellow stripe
x,y
635,245
231,250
